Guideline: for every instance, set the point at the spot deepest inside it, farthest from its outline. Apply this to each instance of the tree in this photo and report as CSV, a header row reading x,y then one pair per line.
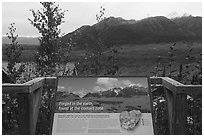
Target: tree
x,y
47,22
13,52
95,51
99,60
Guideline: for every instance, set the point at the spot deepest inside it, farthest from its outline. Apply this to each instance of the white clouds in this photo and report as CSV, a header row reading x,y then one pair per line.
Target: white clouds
x,y
113,82
99,88
81,92
60,87
132,85
126,82
108,83
139,85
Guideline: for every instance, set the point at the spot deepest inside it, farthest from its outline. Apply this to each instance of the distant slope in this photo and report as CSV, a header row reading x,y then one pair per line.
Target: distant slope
x,y
191,24
150,30
157,29
22,40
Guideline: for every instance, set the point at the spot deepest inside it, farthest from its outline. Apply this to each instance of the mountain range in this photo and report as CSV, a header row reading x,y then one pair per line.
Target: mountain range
x,y
116,31
113,92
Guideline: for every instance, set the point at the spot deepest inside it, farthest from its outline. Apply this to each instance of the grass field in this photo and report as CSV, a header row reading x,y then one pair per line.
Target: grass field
x,y
136,59
27,53
142,59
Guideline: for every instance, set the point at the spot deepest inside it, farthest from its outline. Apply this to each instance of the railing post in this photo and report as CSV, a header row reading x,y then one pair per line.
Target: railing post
x,y
25,113
180,116
36,106
29,105
171,112
176,112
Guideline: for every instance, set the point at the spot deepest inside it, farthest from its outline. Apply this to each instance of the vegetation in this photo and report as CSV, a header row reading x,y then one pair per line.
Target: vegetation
x,y
189,71
13,52
9,102
47,21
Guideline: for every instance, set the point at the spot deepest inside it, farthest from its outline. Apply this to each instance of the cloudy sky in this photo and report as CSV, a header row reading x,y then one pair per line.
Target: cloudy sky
x,y
81,86
84,13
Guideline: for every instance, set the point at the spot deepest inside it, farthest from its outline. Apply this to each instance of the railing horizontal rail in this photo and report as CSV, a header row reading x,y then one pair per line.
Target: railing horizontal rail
x,y
27,87
189,89
15,88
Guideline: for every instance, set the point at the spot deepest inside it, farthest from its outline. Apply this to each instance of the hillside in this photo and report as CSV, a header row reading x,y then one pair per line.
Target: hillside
x,y
22,40
117,31
191,24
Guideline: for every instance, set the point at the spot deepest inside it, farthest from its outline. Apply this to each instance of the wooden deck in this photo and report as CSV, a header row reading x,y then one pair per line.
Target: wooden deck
x,y
29,96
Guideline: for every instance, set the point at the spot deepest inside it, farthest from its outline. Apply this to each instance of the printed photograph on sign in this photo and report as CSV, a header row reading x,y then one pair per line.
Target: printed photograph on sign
x,y
102,95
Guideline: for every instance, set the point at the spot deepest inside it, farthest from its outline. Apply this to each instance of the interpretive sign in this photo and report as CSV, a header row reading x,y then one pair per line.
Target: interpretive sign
x,y
102,105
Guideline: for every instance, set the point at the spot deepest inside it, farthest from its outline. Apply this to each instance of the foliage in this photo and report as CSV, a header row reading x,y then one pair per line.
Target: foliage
x,y
188,72
44,118
13,52
47,22
194,115
160,112
10,114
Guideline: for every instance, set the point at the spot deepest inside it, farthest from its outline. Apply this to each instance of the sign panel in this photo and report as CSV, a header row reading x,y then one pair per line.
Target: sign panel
x,y
102,105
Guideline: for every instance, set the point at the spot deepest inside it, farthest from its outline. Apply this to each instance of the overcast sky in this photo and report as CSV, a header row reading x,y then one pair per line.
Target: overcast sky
x,y
84,13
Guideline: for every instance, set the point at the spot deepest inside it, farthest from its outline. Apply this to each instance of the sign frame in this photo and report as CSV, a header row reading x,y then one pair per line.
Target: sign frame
x,y
107,76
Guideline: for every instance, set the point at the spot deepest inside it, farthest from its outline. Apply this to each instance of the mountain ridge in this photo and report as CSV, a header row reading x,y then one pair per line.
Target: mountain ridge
x,y
114,31
128,91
